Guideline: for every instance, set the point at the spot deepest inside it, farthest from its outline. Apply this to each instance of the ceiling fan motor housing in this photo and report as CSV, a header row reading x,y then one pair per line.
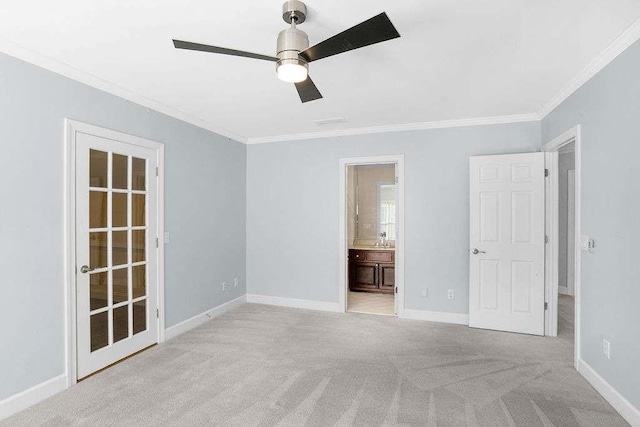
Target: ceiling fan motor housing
x,y
290,43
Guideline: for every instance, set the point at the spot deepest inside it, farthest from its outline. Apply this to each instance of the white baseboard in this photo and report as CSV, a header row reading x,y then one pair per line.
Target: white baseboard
x,y
199,319
29,397
435,316
611,395
563,290
295,303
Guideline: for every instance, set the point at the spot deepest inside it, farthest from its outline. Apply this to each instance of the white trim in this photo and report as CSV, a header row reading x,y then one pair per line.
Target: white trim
x,y
294,303
435,316
619,45
629,412
17,51
398,160
199,319
161,304
442,124
29,397
69,255
563,290
551,288
69,291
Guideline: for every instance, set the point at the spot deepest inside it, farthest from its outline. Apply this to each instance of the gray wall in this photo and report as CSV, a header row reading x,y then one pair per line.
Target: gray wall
x,y
292,210
205,213
608,108
566,162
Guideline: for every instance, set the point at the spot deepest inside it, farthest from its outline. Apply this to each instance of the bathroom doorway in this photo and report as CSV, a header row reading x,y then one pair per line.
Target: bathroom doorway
x,y
370,235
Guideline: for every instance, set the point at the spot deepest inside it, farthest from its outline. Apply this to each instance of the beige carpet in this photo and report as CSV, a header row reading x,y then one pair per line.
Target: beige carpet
x,y
370,303
261,365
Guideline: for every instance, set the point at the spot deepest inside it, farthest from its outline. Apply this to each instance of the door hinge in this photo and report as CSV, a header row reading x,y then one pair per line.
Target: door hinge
x,y
157,313
396,289
157,242
546,172
546,239
546,305
157,171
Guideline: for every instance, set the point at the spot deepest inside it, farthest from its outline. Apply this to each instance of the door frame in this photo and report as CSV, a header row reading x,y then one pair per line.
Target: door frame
x,y
343,281
551,149
71,127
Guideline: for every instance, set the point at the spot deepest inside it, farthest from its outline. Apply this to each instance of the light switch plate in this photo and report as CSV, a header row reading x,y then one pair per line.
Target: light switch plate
x,y
584,243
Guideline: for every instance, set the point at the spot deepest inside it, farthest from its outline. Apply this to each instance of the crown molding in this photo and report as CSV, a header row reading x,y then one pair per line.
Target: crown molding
x,y
443,124
619,45
17,51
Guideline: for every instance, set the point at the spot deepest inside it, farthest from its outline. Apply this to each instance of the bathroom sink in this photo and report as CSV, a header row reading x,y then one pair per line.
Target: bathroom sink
x,y
372,247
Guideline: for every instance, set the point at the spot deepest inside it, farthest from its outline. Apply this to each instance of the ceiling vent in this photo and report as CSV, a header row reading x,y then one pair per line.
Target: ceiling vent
x,y
330,121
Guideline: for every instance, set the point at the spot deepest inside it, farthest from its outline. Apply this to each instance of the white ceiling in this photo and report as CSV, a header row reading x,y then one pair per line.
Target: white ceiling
x,y
456,59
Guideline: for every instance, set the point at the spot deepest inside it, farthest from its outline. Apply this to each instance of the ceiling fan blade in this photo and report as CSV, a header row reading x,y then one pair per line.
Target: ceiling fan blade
x,y
308,90
375,30
179,44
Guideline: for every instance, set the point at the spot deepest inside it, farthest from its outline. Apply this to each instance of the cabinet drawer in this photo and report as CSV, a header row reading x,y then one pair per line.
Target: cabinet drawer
x,y
380,256
357,255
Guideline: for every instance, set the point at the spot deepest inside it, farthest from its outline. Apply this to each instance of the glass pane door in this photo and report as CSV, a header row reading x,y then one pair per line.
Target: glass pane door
x,y
115,223
117,245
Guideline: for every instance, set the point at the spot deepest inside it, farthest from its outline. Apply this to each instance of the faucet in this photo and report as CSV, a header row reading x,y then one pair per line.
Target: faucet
x,y
383,237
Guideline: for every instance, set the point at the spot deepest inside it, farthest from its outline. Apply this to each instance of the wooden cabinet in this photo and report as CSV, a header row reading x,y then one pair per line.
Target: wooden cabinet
x,y
387,280
372,270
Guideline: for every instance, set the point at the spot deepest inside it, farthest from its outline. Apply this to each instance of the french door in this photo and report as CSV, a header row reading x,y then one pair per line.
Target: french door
x,y
506,289
116,258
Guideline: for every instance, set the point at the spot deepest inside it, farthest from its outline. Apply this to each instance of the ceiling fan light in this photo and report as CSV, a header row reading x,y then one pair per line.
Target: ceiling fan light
x,y
292,72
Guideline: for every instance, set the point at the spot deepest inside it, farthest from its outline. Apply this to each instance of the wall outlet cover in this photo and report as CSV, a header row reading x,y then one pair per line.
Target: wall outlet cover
x,y
451,294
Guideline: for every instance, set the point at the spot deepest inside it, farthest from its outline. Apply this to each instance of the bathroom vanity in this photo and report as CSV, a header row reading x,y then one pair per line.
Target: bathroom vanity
x,y
372,270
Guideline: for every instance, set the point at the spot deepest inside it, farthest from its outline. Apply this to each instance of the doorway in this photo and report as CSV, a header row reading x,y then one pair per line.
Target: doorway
x,y
371,235
566,238
562,258
113,252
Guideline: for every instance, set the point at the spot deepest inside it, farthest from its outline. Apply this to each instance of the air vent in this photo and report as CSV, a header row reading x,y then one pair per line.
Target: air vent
x,y
330,121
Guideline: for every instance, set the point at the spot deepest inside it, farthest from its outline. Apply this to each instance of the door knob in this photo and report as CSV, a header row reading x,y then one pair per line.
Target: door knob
x,y
86,269
476,252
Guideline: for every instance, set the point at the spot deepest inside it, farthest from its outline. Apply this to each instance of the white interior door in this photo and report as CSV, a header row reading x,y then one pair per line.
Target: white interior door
x,y
507,243
116,256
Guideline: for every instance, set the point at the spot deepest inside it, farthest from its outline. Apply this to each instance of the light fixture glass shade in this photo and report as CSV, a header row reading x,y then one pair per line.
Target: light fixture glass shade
x,y
292,73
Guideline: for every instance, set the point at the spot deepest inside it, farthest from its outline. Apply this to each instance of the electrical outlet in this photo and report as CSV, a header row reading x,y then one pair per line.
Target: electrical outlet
x,y
451,294
425,293
606,349
167,237
235,282
224,286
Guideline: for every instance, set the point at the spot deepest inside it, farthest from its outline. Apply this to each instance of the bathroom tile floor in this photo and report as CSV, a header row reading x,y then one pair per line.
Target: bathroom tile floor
x,y
370,303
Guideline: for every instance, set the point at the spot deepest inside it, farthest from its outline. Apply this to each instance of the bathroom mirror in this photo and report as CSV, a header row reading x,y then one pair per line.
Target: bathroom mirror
x,y
387,210
371,203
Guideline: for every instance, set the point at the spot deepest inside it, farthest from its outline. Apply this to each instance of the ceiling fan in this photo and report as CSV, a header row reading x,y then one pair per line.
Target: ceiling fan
x,y
293,51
